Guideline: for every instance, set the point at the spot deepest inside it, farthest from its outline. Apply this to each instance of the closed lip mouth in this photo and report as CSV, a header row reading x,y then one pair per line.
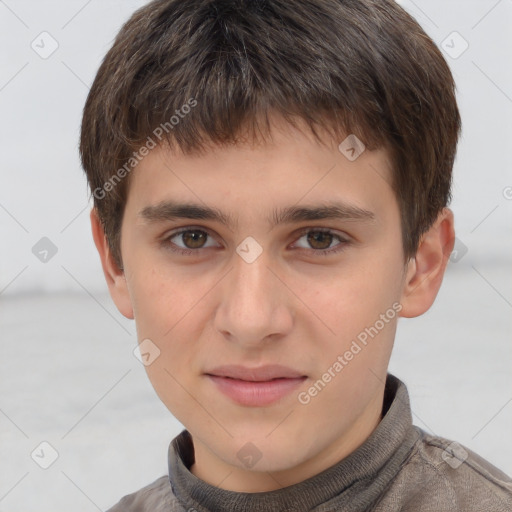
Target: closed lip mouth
x,y
255,374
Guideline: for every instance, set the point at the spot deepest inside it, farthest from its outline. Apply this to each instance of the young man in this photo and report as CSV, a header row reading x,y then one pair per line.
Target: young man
x,y
270,184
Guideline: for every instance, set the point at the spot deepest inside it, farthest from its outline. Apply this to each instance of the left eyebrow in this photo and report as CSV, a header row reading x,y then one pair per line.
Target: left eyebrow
x,y
171,210
336,211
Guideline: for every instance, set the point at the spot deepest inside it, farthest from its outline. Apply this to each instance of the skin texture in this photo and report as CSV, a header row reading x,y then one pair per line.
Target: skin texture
x,y
291,306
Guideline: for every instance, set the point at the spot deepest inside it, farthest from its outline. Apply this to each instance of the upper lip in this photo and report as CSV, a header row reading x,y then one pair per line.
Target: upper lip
x,y
256,374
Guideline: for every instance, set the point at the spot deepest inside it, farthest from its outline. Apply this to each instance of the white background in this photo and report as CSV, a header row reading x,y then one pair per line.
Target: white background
x,y
67,359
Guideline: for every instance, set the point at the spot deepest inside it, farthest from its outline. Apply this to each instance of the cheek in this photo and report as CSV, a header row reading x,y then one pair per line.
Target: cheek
x,y
159,298
355,296
172,309
167,313
348,305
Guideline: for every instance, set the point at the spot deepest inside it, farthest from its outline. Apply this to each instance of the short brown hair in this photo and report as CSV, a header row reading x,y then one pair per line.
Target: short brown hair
x,y
362,67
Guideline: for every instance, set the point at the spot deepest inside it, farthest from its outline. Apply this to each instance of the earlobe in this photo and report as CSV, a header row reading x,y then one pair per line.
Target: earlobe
x,y
116,280
426,270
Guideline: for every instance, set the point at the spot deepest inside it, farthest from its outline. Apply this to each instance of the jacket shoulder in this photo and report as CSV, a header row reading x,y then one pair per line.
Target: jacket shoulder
x,y
155,497
443,475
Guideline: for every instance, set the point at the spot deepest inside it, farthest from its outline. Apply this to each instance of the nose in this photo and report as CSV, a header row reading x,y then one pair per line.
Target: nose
x,y
255,305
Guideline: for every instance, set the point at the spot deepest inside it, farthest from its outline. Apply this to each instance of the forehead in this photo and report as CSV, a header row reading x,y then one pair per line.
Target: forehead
x,y
276,180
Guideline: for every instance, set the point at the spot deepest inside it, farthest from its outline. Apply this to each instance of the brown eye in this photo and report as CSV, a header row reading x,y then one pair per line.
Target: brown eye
x,y
319,239
194,239
321,242
189,241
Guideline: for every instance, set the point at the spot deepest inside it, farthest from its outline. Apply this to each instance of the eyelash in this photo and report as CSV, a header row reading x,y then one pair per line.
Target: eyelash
x,y
320,252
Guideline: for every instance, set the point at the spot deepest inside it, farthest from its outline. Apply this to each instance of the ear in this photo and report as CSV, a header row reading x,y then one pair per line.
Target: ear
x,y
116,280
426,270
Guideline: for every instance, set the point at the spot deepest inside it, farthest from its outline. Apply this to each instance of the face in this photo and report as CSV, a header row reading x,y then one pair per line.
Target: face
x,y
263,273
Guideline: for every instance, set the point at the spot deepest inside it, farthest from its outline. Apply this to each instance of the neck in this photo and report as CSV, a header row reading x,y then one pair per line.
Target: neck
x,y
215,471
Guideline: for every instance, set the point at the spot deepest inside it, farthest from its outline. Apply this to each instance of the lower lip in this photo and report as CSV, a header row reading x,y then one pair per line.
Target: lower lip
x,y
256,394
